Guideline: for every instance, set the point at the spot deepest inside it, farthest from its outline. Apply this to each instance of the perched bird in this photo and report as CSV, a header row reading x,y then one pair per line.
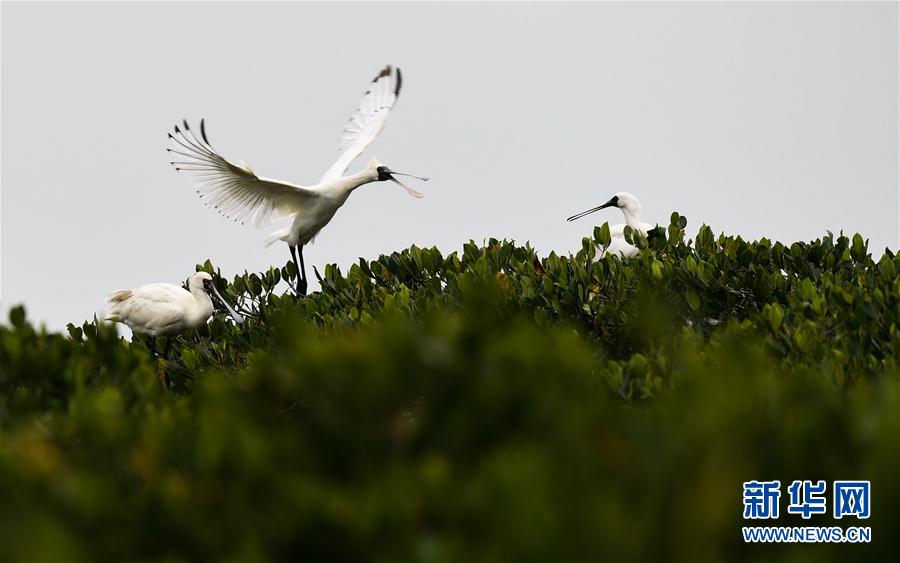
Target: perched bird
x,y
236,192
165,309
630,206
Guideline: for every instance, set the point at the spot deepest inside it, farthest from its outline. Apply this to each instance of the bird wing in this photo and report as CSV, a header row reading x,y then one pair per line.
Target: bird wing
x,y
233,190
368,120
154,306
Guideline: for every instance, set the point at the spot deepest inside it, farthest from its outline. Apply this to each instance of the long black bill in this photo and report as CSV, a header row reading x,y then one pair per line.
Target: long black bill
x,y
423,178
234,314
610,203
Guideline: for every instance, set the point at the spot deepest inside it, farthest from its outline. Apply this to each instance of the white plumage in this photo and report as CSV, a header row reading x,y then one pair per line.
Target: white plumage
x,y
165,309
238,193
630,206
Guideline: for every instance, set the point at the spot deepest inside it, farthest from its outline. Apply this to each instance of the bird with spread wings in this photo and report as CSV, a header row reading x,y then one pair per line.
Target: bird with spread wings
x,y
236,192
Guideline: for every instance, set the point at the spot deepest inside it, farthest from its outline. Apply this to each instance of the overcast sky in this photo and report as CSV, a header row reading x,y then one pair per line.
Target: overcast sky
x,y
777,120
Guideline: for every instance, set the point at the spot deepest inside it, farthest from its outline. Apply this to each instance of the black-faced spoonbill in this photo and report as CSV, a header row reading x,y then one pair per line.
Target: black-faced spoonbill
x,y
236,192
165,309
630,206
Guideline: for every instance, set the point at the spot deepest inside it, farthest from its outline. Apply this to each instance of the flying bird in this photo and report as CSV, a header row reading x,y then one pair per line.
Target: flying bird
x,y
630,206
238,193
165,309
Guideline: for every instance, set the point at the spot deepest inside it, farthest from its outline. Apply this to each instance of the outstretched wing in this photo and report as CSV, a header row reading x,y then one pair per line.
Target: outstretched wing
x,y
233,190
369,119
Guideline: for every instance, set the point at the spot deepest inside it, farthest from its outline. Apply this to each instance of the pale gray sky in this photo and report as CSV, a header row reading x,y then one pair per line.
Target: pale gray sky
x,y
777,120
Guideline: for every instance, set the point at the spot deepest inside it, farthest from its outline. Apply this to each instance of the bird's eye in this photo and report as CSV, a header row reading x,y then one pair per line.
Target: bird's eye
x,y
384,173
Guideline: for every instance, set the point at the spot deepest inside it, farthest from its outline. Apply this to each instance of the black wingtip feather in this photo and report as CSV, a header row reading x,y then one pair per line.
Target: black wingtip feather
x,y
399,82
203,131
386,71
186,126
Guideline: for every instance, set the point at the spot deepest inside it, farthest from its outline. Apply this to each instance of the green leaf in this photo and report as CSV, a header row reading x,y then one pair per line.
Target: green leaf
x,y
673,219
691,264
704,238
74,331
775,314
17,316
703,272
189,358
858,250
602,236
255,285
887,266
364,267
239,284
692,298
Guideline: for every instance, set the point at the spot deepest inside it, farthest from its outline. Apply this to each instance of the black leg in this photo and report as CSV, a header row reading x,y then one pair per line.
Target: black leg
x,y
166,381
301,281
152,347
302,285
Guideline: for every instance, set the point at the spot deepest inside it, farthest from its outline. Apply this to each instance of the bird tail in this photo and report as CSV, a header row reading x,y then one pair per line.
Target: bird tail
x,y
116,299
281,234
119,296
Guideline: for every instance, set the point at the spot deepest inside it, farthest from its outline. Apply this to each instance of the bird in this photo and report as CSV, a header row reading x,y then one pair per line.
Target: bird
x,y
236,192
630,206
167,310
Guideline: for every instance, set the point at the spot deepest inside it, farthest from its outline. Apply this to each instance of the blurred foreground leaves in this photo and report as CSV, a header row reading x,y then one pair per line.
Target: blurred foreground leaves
x,y
488,405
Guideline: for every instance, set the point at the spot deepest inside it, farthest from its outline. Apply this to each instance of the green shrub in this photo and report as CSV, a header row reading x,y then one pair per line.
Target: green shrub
x,y
486,405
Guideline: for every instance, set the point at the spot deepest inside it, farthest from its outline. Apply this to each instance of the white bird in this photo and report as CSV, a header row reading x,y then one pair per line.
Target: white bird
x,y
236,192
630,206
165,309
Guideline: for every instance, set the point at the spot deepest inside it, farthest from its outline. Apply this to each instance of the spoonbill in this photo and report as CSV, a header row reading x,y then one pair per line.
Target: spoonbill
x,y
236,192
630,206
165,309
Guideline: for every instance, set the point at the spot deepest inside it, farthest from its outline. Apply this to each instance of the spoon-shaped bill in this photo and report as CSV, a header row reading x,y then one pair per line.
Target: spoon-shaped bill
x,y
234,314
409,190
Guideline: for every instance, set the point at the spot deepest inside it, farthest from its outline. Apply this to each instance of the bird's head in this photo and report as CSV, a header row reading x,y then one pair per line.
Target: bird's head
x,y
382,173
623,200
200,280
204,281
627,202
